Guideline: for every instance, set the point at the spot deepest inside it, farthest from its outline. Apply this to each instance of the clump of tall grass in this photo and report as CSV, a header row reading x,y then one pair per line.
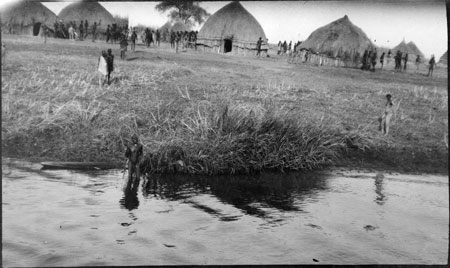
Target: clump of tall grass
x,y
237,141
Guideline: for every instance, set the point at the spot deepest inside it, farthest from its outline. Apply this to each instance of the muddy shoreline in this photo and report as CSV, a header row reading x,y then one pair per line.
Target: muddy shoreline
x,y
389,160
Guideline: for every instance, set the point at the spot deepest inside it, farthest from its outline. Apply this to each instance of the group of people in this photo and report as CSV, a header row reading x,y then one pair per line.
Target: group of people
x,y
187,39
70,30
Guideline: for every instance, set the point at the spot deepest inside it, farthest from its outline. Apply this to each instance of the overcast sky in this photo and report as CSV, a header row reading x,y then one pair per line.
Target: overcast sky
x,y
386,22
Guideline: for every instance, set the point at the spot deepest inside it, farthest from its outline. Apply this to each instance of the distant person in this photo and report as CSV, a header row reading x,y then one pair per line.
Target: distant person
x,y
364,59
71,31
382,60
157,38
431,65
418,60
45,32
374,59
108,34
123,48
405,61
133,40
86,29
258,47
279,48
387,115
398,61
94,31
389,56
134,153
177,40
81,31
110,64
102,68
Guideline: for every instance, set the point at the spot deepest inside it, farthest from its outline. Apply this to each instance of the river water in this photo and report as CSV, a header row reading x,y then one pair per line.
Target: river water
x,y
69,218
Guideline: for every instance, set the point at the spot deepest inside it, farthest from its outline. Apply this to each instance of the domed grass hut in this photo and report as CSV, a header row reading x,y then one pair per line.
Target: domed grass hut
x,y
340,38
180,26
231,29
165,31
26,18
90,11
409,48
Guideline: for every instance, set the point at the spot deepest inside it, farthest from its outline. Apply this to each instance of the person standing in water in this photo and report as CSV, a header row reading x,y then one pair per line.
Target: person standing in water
x,y
134,153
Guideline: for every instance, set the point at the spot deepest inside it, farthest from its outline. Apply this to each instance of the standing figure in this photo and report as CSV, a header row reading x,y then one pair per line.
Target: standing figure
x,y
134,154
102,68
387,114
382,60
133,40
374,59
389,55
123,47
86,28
110,64
258,47
81,31
94,31
431,63
406,61
157,37
108,34
418,60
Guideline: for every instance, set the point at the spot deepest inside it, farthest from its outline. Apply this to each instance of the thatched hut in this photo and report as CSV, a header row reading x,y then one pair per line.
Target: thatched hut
x,y
443,59
180,26
409,48
231,29
340,38
26,17
90,11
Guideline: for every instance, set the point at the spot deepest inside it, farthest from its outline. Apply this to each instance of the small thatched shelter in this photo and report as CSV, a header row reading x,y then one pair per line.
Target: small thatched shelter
x,y
231,29
409,48
443,59
180,26
340,38
26,17
90,11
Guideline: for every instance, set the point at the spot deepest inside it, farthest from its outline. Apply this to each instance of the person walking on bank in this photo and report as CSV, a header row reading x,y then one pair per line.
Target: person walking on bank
x,y
431,63
374,59
134,153
81,31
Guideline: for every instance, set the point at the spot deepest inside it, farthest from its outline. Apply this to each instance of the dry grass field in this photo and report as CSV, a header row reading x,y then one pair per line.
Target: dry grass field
x,y
212,113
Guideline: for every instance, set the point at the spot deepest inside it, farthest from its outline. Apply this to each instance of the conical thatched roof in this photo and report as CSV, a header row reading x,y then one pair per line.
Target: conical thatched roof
x,y
165,27
27,13
443,59
180,26
409,48
338,37
90,11
233,22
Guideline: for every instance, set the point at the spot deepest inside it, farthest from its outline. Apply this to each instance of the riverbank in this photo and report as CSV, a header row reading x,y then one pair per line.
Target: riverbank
x,y
214,114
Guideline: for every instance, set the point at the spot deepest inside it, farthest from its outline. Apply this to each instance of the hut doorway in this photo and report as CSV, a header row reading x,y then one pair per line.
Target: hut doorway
x,y
36,28
227,45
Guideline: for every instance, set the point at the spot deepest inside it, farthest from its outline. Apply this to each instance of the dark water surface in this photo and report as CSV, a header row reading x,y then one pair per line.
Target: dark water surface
x,y
68,218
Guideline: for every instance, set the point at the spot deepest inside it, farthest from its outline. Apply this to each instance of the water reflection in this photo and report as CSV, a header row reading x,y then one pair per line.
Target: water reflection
x,y
253,195
130,199
379,190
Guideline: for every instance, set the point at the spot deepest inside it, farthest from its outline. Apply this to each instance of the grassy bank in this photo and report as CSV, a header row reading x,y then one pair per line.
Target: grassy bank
x,y
215,114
